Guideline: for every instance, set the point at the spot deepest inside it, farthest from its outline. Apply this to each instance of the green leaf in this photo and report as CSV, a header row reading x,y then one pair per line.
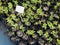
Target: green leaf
x,y
44,26
50,39
0,3
58,41
30,32
55,33
58,3
5,10
25,4
10,6
40,12
40,1
40,32
9,20
55,22
58,26
1,9
51,17
55,7
16,2
48,3
50,24
33,1
46,34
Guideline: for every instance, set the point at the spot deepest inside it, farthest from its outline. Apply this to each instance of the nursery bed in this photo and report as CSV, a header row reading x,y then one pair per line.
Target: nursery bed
x,y
40,23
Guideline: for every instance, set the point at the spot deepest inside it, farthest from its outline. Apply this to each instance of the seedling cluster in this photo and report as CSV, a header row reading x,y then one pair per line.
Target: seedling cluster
x,y
40,23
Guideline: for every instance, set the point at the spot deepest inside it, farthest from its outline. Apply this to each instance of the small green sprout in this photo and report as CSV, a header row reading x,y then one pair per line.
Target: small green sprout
x,y
30,32
40,1
50,39
55,33
48,3
5,10
16,2
58,41
0,3
29,12
46,34
51,17
10,6
55,22
25,5
50,24
44,26
1,9
55,7
40,32
33,1
58,3
40,12
22,28
9,20
58,26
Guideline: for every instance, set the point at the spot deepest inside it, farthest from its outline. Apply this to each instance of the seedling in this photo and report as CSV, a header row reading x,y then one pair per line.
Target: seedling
x,y
10,6
30,32
48,3
58,26
40,12
40,32
55,33
55,22
5,10
33,1
50,39
46,34
58,41
44,26
50,24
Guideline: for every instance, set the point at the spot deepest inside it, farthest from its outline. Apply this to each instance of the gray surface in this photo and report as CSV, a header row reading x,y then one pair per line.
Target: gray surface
x,y
4,39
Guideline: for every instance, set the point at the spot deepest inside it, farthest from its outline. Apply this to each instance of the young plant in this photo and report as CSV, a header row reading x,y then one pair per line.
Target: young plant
x,y
40,12
44,26
25,4
30,32
0,3
13,16
10,6
1,9
9,20
15,2
51,17
50,24
46,34
40,1
55,22
55,7
5,10
58,26
58,42
55,33
48,3
22,28
50,39
58,3
33,1
40,32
